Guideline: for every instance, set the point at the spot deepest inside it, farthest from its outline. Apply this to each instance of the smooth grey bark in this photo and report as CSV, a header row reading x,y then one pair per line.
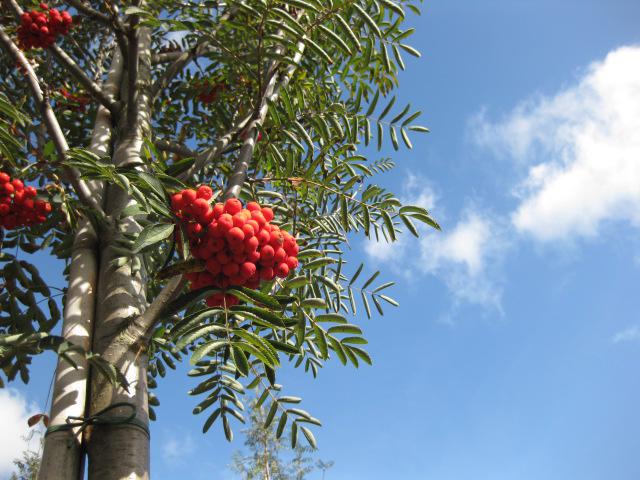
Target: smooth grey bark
x,y
118,452
63,454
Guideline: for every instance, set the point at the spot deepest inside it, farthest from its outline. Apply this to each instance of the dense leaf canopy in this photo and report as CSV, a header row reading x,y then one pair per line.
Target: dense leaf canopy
x,y
274,101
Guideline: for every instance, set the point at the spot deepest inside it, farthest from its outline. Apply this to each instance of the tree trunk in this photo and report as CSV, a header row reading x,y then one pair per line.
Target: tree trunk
x,y
62,449
121,451
63,454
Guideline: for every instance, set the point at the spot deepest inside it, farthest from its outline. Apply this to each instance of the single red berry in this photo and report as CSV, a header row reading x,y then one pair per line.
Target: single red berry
x,y
223,258
239,220
248,231
282,269
225,222
235,235
199,207
267,252
266,273
232,206
268,213
230,269
176,202
258,217
292,262
248,269
188,196
280,255
204,191
218,209
253,256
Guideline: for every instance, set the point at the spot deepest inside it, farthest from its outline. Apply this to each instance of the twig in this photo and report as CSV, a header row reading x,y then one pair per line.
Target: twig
x,y
80,6
82,77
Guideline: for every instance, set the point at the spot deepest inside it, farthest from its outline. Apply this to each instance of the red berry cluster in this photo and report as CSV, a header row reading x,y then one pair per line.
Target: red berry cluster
x,y
209,92
19,206
240,247
40,29
72,101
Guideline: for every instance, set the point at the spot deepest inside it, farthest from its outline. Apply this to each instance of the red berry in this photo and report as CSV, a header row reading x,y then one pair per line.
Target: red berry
x,y
266,273
282,269
276,239
292,262
253,256
238,220
199,207
280,255
251,206
188,196
225,222
267,252
230,269
44,6
194,229
258,217
267,213
223,258
248,269
263,237
248,231
176,201
205,192
218,209
235,235
232,206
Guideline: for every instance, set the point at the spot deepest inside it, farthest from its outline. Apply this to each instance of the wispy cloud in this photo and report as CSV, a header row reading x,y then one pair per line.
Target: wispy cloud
x,y
583,148
177,447
465,256
14,412
631,334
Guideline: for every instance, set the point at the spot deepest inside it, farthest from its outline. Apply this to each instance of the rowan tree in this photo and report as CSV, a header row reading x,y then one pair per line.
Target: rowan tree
x,y
109,119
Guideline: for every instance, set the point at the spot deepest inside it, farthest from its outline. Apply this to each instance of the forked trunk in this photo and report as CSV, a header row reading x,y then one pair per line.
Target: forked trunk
x,y
63,453
118,449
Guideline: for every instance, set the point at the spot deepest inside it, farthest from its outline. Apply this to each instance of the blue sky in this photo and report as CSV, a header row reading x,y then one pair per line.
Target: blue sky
x,y
515,350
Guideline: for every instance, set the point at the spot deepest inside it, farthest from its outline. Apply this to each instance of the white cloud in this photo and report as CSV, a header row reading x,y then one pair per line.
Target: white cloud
x,y
466,255
176,448
628,335
14,412
585,149
467,258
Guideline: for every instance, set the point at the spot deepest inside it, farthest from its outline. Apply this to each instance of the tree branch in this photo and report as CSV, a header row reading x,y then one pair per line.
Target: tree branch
x,y
166,57
176,148
65,60
111,21
50,121
272,91
84,80
142,325
80,6
132,71
212,154
184,58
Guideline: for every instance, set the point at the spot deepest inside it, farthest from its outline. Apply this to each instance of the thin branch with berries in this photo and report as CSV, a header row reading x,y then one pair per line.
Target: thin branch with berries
x,y
51,122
